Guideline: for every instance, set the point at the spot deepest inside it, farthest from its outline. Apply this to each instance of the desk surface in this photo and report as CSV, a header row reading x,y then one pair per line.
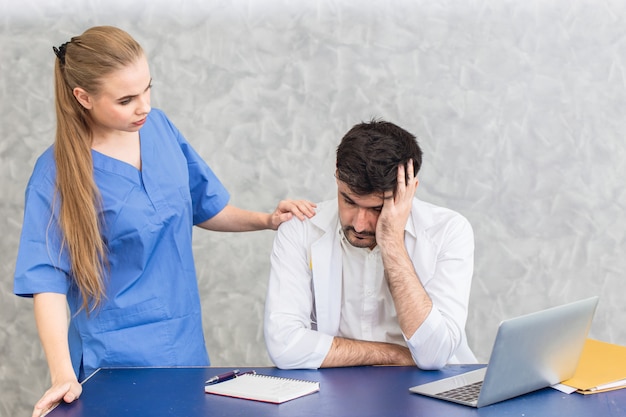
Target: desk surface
x,y
344,392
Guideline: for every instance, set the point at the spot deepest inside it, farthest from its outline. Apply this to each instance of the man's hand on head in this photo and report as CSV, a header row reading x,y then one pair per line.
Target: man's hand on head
x,y
397,207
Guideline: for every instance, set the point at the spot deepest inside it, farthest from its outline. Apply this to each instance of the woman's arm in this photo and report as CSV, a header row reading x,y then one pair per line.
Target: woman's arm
x,y
233,219
52,325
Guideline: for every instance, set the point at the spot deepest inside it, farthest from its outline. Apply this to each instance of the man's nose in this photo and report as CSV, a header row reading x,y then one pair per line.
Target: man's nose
x,y
361,220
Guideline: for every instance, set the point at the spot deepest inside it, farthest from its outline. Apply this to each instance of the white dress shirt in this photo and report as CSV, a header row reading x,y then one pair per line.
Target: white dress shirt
x,y
303,307
367,308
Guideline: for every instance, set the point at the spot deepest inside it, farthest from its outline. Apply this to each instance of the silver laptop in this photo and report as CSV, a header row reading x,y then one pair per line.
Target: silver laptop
x,y
529,353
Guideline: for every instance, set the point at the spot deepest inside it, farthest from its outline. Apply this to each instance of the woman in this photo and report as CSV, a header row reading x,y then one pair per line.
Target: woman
x,y
108,222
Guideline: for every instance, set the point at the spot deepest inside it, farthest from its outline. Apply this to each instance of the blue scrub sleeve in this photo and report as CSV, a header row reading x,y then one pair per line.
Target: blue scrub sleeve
x,y
208,194
40,265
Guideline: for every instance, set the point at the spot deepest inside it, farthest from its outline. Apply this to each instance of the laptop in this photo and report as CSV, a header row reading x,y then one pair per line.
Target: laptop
x,y
530,352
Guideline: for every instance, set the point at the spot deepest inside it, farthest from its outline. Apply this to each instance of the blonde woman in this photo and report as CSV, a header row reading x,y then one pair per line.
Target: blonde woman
x,y
108,221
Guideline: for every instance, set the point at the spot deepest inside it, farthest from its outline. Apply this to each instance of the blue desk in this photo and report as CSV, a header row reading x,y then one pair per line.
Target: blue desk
x,y
344,392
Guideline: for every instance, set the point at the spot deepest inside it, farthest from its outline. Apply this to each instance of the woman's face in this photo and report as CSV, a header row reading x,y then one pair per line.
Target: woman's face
x,y
123,103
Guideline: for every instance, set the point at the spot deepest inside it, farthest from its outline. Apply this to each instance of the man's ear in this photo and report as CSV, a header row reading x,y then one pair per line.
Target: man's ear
x,y
83,98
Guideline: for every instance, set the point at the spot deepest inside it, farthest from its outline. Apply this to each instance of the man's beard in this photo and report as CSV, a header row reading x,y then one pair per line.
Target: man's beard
x,y
359,240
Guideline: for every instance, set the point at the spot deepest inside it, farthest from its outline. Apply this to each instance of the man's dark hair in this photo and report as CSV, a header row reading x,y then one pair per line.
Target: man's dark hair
x,y
369,154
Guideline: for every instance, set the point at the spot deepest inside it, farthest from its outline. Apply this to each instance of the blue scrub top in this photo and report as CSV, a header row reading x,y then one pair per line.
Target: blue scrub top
x,y
151,314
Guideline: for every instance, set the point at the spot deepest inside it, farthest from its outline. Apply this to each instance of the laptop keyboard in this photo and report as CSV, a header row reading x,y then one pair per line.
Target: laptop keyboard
x,y
467,393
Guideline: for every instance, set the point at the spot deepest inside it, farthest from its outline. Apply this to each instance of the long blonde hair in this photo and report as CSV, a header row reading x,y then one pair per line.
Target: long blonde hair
x,y
82,62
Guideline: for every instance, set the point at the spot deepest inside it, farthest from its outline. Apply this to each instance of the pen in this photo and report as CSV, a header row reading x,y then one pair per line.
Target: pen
x,y
228,375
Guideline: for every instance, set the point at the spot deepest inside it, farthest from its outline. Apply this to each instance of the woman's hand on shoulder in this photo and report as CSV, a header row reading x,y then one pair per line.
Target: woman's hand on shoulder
x,y
286,209
67,390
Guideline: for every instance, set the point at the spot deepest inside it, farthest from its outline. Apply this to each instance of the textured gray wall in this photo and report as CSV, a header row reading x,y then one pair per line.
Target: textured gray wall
x,y
518,105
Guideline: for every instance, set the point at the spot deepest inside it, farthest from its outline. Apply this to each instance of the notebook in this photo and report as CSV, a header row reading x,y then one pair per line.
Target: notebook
x,y
530,352
266,388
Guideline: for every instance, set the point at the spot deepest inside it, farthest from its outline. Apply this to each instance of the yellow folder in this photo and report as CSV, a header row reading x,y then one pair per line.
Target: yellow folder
x,y
602,367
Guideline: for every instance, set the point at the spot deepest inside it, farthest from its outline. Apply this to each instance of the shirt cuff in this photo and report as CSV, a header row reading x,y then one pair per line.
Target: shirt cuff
x,y
426,330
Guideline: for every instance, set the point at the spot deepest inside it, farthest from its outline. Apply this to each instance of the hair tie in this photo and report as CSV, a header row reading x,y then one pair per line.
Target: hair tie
x,y
60,52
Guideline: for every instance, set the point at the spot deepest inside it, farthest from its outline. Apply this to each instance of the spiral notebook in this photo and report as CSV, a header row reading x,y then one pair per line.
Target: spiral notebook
x,y
266,388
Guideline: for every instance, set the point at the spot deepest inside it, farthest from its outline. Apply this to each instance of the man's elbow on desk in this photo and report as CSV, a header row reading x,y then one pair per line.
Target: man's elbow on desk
x,y
287,360
306,353
429,356
436,343
430,364
432,356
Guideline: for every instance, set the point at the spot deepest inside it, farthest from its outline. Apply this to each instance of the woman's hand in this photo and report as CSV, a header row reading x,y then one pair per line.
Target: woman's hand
x,y
286,209
66,390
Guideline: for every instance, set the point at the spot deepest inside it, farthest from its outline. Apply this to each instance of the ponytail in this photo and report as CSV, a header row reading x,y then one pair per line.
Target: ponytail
x,y
83,62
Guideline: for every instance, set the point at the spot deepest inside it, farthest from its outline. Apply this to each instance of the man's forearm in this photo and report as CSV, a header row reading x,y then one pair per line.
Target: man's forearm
x,y
412,302
349,352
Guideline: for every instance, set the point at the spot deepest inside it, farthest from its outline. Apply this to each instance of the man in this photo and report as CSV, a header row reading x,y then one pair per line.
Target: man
x,y
376,277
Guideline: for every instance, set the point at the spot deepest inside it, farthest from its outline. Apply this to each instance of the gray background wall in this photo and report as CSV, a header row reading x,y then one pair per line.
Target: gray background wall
x,y
518,106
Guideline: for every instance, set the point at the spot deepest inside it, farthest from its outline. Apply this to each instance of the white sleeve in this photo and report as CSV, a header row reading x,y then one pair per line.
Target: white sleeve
x,y
441,338
290,337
